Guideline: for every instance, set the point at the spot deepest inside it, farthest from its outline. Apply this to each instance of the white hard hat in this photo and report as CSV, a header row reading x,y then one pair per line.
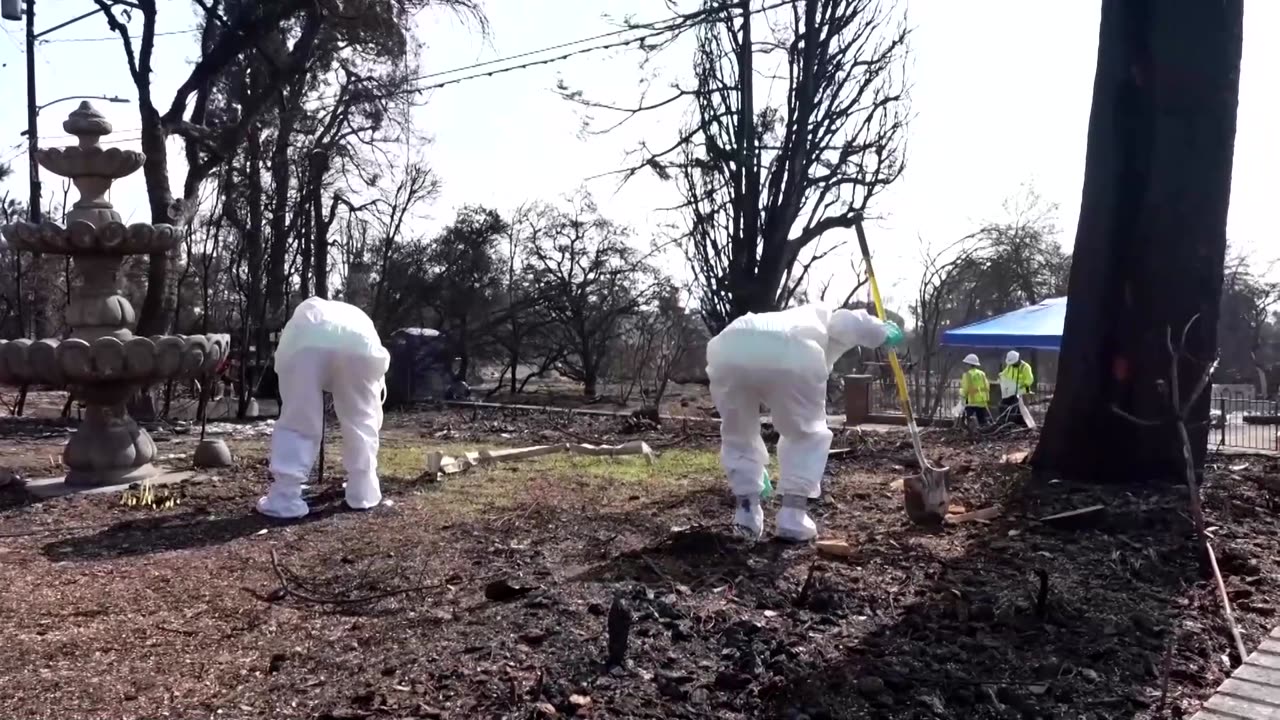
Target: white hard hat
x,y
1012,357
971,359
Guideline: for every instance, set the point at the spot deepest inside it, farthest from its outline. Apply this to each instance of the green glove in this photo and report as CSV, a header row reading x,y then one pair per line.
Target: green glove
x,y
893,336
767,492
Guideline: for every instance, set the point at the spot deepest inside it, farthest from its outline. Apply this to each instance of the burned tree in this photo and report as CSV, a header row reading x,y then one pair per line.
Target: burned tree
x,y
764,177
593,279
1151,240
289,46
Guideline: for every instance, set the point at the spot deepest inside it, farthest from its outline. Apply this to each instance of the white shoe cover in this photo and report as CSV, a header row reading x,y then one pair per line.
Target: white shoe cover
x,y
795,525
363,496
275,506
748,518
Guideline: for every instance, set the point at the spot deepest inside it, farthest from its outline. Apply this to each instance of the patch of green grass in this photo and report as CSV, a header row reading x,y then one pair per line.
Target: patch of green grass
x,y
402,461
564,480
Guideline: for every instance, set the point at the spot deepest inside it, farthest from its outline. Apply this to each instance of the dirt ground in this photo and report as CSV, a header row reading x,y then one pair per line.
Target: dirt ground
x,y
489,594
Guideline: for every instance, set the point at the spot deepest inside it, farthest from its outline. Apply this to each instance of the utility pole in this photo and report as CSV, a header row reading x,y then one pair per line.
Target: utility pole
x,y
33,170
33,137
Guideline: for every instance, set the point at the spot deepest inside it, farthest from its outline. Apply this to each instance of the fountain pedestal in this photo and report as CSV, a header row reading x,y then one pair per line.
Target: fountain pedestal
x,y
109,447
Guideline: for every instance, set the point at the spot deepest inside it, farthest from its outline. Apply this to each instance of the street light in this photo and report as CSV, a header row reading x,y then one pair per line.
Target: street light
x,y
113,99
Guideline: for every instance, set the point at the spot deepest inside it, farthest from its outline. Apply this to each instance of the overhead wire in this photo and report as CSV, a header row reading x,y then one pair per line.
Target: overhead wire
x,y
654,29
15,151
647,31
108,38
12,39
66,136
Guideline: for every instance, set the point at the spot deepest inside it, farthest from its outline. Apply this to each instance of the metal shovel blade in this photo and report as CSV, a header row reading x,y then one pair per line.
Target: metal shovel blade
x,y
926,496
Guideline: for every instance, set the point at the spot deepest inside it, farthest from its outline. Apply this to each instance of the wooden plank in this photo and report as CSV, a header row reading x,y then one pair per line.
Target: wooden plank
x,y
1264,659
1208,714
1243,708
1258,674
1253,690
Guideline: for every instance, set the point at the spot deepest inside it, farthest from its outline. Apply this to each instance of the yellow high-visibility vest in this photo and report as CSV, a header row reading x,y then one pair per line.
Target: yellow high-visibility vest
x,y
1019,377
975,388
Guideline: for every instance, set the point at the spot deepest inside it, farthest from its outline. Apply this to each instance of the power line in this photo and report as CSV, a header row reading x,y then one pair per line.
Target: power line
x,y
664,26
104,141
114,37
120,140
73,137
9,35
529,53
694,19
17,150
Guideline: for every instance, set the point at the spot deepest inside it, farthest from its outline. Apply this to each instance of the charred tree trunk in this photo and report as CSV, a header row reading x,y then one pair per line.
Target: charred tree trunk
x,y
155,168
306,239
252,244
280,213
1151,240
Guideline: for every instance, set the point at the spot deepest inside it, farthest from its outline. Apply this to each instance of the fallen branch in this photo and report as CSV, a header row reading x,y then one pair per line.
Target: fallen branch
x,y
287,589
806,590
1165,671
1042,595
1180,413
440,464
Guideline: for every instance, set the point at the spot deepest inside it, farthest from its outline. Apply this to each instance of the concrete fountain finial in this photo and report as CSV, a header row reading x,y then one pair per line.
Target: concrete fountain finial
x,y
90,166
87,124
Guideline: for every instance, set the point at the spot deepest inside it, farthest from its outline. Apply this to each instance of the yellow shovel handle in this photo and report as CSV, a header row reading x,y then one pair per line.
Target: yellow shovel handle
x,y
899,379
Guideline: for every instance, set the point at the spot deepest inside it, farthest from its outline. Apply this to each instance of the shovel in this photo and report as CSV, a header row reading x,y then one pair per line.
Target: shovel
x,y
1026,414
925,497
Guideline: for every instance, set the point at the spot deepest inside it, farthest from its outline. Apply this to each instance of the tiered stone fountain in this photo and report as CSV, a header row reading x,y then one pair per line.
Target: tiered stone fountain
x,y
102,360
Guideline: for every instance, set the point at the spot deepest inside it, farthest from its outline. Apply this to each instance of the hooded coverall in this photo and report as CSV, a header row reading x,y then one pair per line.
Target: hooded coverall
x,y
327,346
782,359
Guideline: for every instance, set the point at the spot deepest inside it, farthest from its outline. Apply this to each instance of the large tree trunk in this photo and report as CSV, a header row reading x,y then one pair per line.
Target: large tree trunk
x,y
152,317
1151,240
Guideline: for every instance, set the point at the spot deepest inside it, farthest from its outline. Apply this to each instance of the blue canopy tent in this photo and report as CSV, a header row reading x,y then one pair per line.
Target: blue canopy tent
x,y
1038,327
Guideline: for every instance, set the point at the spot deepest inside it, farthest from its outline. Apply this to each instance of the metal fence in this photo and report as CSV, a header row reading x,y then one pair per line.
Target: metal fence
x,y
1244,423
1239,421
942,399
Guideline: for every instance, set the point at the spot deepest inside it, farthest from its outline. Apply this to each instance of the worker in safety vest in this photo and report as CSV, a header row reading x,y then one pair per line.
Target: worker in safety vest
x,y
1016,380
976,390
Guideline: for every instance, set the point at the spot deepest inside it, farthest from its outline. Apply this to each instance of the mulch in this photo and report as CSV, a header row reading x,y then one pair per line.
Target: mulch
x,y
207,610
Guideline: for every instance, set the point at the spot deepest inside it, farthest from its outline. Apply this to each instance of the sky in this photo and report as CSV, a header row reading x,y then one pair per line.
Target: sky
x,y
1000,93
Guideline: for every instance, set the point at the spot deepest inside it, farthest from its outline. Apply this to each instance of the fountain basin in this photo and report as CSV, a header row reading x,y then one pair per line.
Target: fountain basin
x,y
111,162
110,448
85,238
135,361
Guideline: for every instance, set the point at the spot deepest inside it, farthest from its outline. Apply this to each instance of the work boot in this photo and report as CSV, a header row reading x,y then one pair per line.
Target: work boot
x,y
748,518
794,523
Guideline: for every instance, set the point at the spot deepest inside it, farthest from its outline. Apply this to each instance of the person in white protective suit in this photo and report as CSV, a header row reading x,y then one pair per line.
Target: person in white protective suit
x,y
782,359
327,346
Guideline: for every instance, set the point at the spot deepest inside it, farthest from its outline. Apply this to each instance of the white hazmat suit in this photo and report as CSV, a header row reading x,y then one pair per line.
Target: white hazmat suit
x,y
327,346
782,359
